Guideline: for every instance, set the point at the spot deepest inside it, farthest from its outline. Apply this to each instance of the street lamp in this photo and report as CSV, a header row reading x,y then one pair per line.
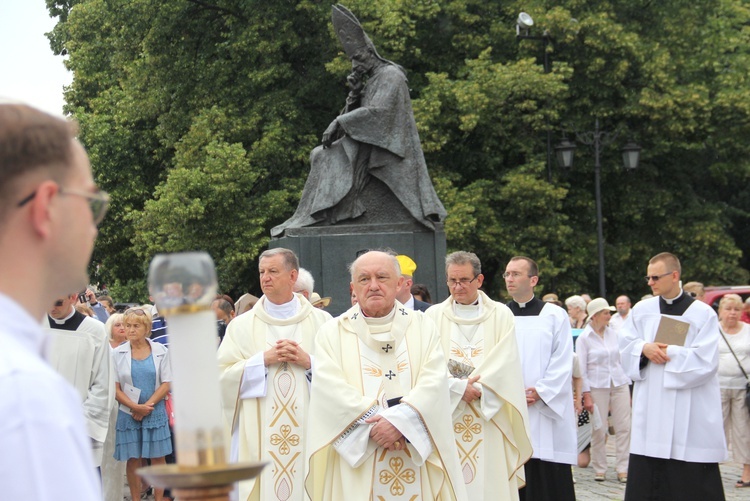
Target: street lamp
x,y
631,153
523,28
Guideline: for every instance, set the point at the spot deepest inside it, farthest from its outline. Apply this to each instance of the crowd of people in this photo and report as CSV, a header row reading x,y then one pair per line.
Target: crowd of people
x,y
395,398
511,372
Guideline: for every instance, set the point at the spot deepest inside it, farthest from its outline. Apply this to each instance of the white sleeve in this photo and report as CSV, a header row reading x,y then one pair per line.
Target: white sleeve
x,y
554,388
631,348
582,349
456,390
253,384
408,422
354,445
691,366
101,392
489,404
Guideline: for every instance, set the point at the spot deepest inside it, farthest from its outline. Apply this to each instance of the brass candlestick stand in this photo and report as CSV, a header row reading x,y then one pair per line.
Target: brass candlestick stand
x,y
183,286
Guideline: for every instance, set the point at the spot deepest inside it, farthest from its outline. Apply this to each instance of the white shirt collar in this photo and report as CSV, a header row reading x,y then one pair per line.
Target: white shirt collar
x,y
410,302
282,311
21,326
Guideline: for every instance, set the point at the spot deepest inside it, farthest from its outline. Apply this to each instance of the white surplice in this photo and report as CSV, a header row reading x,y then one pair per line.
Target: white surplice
x,y
546,347
83,358
677,405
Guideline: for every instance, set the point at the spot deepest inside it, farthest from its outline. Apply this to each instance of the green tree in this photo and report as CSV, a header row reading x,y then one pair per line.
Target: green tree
x,y
200,115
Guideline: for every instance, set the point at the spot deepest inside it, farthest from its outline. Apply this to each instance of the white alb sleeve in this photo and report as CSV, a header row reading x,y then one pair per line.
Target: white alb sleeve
x,y
253,384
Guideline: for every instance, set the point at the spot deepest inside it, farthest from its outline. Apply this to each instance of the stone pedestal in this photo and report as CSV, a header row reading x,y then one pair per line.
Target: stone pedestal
x,y
327,252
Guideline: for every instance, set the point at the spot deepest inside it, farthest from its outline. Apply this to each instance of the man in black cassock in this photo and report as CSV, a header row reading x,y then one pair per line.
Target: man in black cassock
x,y
677,436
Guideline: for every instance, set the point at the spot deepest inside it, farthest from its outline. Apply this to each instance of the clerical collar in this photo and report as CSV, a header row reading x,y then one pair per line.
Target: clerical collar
x,y
675,306
380,320
472,310
282,311
70,323
63,320
524,305
677,297
531,308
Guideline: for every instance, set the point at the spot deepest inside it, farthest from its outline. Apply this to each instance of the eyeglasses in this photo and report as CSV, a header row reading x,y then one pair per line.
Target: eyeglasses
x,y
58,303
514,274
463,282
98,201
656,278
135,311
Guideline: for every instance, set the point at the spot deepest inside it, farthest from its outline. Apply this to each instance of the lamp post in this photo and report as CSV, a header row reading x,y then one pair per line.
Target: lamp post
x,y
597,138
523,28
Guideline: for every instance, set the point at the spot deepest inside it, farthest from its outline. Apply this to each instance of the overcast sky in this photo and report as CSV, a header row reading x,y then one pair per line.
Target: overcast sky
x,y
29,72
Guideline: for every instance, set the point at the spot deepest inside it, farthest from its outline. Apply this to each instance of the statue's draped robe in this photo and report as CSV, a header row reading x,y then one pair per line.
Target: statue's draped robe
x,y
382,141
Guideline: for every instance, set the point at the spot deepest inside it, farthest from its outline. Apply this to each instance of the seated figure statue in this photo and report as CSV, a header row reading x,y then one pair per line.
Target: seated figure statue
x,y
374,136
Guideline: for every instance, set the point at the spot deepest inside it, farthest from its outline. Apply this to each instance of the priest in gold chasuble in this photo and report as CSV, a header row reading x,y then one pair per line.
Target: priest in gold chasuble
x,y
265,368
490,416
380,426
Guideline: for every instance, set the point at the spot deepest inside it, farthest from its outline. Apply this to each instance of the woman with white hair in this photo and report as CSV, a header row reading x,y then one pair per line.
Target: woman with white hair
x,y
576,306
734,365
599,355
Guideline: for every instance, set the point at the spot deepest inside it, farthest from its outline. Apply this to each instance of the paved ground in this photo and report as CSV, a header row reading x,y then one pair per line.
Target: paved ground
x,y
587,489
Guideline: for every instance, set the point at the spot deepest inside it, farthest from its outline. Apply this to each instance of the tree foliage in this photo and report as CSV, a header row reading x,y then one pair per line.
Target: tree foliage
x,y
199,116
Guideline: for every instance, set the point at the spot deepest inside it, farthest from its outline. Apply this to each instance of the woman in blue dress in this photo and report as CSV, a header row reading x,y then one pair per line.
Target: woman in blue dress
x,y
143,377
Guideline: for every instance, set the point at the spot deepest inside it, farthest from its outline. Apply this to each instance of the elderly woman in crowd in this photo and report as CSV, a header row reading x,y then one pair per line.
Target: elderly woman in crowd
x,y
143,376
115,330
113,470
599,356
734,358
576,306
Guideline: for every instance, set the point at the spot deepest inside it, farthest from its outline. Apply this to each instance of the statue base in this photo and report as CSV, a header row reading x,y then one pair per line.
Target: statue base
x,y
327,252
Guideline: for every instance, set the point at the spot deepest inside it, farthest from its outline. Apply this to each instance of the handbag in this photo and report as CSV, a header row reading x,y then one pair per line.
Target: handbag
x,y
169,404
747,379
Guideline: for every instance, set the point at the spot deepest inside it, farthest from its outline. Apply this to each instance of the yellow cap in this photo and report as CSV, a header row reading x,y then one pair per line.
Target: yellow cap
x,y
408,266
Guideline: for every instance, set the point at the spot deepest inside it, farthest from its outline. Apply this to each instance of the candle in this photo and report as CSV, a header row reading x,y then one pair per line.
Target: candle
x,y
183,286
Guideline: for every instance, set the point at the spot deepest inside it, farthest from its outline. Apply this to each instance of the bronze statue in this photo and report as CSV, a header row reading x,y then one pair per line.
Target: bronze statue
x,y
374,136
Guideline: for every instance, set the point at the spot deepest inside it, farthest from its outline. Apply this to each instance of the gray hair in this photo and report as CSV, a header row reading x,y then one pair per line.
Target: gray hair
x,y
391,258
290,258
463,257
576,302
305,282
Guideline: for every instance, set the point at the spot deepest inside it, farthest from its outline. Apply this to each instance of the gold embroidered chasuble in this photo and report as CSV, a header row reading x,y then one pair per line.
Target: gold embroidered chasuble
x,y
359,367
491,433
270,427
